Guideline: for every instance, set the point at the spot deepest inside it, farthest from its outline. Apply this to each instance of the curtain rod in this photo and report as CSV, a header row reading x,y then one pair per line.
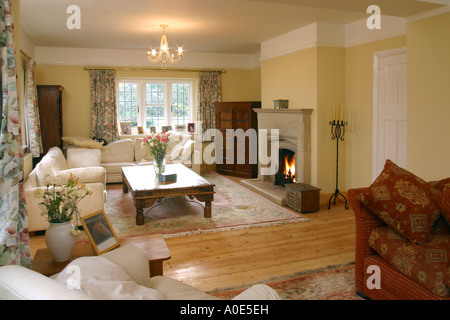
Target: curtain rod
x,y
24,54
149,69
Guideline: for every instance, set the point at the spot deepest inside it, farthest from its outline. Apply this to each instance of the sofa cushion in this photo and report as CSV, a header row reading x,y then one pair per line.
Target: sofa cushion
x,y
402,200
440,185
426,264
82,142
116,167
188,148
442,200
118,151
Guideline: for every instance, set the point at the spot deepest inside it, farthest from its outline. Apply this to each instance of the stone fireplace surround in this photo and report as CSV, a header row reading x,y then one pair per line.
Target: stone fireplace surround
x,y
294,128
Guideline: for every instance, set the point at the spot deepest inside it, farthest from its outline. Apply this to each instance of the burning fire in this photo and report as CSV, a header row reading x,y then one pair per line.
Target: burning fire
x,y
289,166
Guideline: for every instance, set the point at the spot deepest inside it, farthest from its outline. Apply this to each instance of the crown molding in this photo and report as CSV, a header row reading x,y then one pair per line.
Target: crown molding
x,y
429,14
138,58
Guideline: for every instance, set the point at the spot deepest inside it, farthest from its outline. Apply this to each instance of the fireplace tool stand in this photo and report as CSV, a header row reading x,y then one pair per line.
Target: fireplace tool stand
x,y
337,133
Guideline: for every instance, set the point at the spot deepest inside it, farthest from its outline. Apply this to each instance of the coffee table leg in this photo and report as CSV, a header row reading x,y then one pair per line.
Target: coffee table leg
x,y
139,216
207,209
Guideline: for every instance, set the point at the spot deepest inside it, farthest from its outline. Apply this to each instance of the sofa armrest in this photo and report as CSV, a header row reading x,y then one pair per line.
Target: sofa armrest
x,y
86,175
365,222
21,283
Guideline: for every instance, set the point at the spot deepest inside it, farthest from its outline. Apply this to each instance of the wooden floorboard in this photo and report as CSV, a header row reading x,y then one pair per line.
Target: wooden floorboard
x,y
222,259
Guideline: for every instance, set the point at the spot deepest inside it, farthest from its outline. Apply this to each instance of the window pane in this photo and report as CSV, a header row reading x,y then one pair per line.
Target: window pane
x,y
180,103
155,117
154,93
128,110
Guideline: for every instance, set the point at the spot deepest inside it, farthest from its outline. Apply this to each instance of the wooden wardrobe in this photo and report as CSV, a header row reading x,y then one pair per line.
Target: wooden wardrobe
x,y
236,115
50,114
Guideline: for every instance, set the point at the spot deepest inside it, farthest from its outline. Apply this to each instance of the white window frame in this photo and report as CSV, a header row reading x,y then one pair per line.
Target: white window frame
x,y
142,103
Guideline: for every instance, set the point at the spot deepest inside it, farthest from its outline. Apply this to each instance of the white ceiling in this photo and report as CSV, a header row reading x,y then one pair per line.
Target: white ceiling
x,y
219,26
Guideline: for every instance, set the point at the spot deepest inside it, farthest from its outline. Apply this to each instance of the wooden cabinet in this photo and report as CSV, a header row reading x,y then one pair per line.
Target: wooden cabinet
x,y
50,113
237,150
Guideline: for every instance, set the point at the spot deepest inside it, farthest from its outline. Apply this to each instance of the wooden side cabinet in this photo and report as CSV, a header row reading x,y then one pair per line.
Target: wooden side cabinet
x,y
50,113
231,158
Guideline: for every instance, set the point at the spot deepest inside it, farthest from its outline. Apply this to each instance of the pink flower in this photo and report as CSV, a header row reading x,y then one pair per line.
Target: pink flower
x,y
163,139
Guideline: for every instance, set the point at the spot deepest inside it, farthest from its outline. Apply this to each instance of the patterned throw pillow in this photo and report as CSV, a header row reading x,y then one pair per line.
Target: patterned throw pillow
x,y
402,200
442,200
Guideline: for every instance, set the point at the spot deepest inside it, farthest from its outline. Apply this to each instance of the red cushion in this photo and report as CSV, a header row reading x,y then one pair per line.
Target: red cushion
x,y
425,264
442,200
402,200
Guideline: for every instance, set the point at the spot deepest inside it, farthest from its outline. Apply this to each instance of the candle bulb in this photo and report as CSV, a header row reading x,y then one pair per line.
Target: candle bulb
x,y
334,113
338,112
342,113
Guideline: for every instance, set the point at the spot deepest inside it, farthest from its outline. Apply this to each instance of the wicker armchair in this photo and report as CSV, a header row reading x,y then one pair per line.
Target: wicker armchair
x,y
394,285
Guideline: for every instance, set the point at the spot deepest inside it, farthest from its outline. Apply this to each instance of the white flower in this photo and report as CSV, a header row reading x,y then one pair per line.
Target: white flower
x,y
52,180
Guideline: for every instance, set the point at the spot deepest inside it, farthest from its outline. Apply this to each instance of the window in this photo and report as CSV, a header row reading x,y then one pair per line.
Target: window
x,y
155,102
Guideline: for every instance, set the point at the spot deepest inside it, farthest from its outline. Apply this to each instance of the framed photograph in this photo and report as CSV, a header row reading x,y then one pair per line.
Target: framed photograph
x,y
180,127
166,128
140,130
152,129
100,233
191,127
125,127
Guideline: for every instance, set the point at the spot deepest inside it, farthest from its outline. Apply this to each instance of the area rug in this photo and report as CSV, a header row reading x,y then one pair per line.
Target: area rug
x,y
233,207
331,283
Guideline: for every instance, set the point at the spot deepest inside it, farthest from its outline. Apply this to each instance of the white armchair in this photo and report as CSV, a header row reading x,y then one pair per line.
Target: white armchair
x,y
82,163
122,273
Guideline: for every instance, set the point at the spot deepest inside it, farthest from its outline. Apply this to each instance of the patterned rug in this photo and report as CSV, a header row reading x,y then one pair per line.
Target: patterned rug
x,y
332,283
233,207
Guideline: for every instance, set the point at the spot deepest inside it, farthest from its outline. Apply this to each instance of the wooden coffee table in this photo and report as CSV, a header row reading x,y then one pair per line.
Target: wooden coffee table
x,y
153,246
144,186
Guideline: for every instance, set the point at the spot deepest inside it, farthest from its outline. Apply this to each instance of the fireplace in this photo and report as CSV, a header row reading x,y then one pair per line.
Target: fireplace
x,y
286,170
291,129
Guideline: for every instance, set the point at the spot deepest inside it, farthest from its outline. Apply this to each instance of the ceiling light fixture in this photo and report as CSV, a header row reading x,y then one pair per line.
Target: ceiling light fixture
x,y
163,54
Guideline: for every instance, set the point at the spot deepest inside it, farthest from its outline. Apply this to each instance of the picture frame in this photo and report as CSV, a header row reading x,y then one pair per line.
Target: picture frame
x,y
125,127
191,127
140,130
152,129
100,232
180,127
166,128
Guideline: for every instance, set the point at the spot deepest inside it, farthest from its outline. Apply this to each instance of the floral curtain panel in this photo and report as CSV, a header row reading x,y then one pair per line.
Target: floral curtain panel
x,y
209,92
103,104
32,111
14,238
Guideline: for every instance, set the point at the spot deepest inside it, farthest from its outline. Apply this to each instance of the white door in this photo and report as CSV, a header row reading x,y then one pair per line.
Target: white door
x,y
390,109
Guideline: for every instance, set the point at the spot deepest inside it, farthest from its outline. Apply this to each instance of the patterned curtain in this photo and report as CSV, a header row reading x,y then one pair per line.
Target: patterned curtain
x,y
14,238
32,111
103,104
209,91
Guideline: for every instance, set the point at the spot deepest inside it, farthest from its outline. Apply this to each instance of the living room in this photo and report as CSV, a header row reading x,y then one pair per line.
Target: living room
x,y
270,50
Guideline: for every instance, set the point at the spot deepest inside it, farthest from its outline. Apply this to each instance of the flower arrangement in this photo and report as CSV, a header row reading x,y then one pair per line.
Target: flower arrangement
x,y
60,201
156,144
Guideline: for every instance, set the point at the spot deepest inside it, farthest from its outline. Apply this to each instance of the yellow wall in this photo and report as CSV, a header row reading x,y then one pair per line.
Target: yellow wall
x,y
428,151
330,91
236,85
359,110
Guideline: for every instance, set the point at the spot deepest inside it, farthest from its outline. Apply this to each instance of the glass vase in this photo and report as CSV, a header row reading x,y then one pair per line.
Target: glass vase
x,y
159,165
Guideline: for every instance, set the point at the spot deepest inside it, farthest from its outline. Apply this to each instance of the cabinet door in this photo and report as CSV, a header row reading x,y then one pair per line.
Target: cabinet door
x,y
49,100
242,139
224,146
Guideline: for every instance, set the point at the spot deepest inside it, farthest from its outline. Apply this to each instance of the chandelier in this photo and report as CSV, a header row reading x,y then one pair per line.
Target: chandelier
x,y
163,54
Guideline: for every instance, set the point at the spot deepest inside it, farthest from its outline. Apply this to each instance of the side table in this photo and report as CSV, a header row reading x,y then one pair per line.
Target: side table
x,y
153,246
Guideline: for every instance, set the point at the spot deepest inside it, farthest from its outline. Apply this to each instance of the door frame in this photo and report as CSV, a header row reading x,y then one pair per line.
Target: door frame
x,y
376,63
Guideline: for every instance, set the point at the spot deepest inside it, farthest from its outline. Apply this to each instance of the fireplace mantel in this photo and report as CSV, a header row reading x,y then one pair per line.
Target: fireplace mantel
x,y
281,111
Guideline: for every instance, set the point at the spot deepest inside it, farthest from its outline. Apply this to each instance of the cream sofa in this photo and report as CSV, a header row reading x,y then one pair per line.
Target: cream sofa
x,y
116,275
123,153
82,163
